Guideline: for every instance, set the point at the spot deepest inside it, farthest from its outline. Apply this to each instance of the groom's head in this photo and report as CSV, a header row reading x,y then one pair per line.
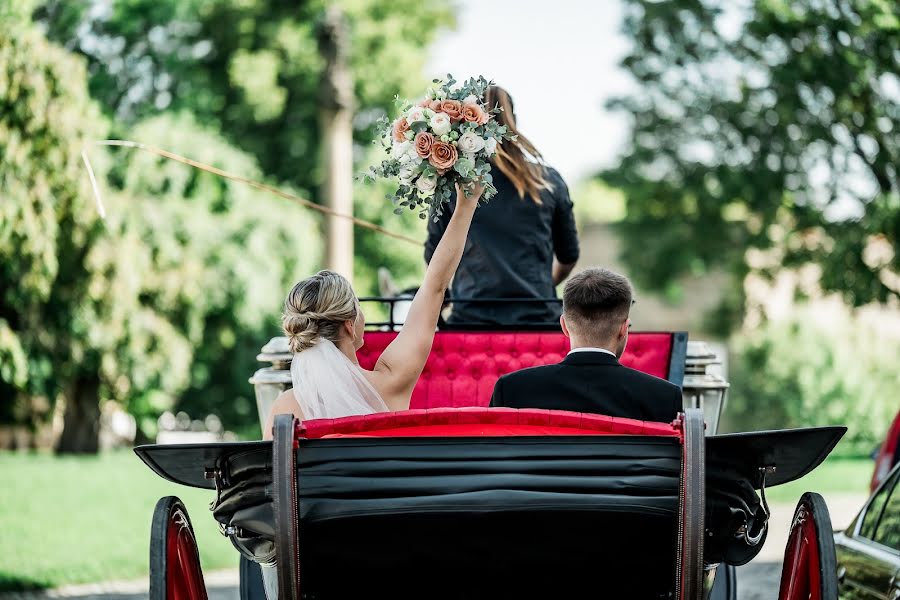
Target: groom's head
x,y
596,305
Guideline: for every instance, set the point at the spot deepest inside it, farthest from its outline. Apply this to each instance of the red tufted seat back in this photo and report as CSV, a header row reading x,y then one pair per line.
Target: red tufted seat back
x,y
463,366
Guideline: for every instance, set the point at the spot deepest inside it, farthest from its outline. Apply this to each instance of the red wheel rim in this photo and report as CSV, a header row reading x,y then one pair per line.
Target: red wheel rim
x,y
801,577
184,579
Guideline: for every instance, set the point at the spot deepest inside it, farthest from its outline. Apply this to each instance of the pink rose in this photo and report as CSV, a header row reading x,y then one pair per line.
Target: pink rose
x,y
435,105
474,114
443,156
452,108
423,143
400,129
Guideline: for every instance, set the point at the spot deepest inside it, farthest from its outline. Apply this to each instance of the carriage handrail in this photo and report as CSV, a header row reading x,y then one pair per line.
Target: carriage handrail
x,y
391,299
552,325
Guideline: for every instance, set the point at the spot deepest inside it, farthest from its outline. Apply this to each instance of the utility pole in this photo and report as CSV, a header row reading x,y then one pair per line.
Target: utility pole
x,y
336,124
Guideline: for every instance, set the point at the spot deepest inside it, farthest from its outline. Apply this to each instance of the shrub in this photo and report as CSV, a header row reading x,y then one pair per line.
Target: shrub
x,y
815,369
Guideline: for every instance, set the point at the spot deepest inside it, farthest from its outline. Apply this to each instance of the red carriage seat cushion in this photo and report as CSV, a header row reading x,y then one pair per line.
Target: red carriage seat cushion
x,y
463,366
481,422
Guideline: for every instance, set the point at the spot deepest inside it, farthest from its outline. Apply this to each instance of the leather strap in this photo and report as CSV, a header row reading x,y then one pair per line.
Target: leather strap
x,y
284,479
691,525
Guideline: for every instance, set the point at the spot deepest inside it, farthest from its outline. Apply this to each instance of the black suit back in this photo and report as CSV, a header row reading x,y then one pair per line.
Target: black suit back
x,y
592,382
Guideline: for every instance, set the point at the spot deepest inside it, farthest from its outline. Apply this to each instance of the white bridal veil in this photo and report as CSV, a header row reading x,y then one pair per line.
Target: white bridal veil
x,y
327,385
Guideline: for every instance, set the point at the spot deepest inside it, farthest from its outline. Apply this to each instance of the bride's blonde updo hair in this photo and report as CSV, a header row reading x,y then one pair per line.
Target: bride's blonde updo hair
x,y
316,308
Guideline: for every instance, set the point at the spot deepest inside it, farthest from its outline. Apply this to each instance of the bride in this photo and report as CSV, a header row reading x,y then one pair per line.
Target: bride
x,y
324,323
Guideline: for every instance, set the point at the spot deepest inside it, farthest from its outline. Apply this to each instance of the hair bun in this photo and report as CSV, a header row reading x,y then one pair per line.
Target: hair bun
x,y
302,331
316,307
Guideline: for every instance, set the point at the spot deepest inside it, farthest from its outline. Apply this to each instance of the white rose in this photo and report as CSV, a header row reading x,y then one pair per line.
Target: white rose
x,y
416,113
470,99
440,124
471,143
426,185
411,156
490,146
399,149
407,172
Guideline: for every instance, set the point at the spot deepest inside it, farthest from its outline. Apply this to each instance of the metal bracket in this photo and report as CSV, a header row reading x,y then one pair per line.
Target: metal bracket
x,y
215,474
744,532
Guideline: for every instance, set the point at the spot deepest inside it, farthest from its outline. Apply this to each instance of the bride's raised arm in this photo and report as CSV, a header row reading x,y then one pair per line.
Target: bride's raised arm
x,y
401,363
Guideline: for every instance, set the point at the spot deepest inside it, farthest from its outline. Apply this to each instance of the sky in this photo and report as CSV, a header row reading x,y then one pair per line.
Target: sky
x,y
558,60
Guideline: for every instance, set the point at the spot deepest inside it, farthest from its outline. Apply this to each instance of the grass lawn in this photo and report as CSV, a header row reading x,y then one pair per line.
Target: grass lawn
x,y
87,519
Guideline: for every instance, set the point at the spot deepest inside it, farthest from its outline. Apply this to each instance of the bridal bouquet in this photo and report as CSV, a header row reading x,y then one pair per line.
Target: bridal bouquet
x,y
446,138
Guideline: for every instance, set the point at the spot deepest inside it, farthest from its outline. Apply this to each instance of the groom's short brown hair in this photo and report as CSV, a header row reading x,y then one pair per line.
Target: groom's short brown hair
x,y
597,301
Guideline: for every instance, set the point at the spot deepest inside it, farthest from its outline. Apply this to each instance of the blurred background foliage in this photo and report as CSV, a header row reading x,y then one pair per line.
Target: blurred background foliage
x,y
164,305
764,142
768,125
219,255
813,369
48,228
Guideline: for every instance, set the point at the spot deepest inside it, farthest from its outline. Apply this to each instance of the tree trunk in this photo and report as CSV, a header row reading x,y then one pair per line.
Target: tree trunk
x,y
81,420
336,123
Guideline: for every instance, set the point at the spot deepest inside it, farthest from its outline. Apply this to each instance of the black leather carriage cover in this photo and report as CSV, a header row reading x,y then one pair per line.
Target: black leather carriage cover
x,y
491,512
794,453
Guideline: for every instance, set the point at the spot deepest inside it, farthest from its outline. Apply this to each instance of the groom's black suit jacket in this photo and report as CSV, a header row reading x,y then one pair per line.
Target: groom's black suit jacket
x,y
592,382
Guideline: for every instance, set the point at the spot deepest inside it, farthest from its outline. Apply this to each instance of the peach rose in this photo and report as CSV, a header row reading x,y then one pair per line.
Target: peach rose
x,y
423,142
443,156
453,109
435,105
474,114
400,129
424,103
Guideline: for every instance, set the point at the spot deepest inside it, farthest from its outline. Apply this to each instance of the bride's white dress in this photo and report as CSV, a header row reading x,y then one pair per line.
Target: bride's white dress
x,y
327,385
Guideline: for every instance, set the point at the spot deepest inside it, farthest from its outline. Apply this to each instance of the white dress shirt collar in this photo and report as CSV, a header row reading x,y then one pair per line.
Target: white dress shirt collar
x,y
589,349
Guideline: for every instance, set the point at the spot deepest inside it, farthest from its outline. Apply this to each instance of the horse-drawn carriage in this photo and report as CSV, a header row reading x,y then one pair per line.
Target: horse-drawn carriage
x,y
452,499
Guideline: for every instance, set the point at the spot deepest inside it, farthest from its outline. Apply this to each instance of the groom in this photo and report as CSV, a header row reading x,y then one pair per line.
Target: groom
x,y
596,306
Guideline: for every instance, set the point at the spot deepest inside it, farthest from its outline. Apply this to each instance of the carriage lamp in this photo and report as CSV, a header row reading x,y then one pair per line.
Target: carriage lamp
x,y
269,382
704,388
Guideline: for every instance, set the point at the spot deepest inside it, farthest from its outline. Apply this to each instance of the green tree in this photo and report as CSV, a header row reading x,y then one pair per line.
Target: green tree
x,y
218,258
168,298
251,70
245,64
772,128
48,228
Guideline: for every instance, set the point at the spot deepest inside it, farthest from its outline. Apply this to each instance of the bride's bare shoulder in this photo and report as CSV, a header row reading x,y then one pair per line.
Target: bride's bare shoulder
x,y
285,404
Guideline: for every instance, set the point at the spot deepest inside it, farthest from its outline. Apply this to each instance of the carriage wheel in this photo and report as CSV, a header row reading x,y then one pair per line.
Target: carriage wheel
x,y
810,566
174,560
284,476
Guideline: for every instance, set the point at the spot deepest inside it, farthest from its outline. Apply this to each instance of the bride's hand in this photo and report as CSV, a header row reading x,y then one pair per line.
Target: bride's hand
x,y
469,194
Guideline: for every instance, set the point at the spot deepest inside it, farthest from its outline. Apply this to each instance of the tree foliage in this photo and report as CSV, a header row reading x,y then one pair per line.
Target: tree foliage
x,y
251,69
47,225
165,303
169,298
772,126
813,369
216,259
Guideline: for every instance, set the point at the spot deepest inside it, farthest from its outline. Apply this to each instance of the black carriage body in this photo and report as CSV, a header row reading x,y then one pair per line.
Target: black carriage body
x,y
491,517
